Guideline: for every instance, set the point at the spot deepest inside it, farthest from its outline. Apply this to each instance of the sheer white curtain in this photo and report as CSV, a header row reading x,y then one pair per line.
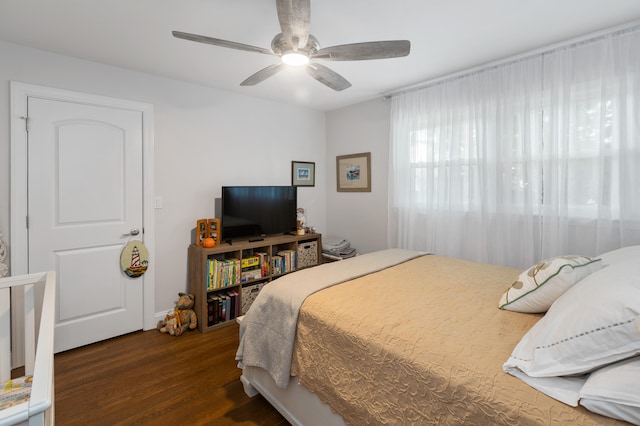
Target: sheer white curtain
x,y
521,161
592,146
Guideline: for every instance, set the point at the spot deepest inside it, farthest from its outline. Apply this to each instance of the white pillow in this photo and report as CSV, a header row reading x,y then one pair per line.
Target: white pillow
x,y
539,286
621,254
594,323
614,391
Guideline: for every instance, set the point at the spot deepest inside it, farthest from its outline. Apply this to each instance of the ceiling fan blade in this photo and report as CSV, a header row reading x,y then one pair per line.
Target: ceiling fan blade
x,y
221,43
327,77
263,74
294,17
365,51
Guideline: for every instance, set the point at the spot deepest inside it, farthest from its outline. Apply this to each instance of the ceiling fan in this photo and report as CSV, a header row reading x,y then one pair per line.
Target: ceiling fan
x,y
295,46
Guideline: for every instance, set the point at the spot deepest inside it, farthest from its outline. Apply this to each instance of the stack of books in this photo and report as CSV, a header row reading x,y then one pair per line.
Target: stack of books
x,y
285,261
254,267
222,306
222,273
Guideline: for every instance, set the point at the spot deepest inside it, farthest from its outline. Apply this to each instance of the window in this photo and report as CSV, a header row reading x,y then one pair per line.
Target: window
x,y
531,159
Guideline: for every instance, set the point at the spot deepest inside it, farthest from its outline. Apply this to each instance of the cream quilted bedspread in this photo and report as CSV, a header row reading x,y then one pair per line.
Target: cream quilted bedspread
x,y
422,343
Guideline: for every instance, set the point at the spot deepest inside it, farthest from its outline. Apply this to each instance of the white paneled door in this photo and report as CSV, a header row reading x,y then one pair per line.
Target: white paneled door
x,y
84,203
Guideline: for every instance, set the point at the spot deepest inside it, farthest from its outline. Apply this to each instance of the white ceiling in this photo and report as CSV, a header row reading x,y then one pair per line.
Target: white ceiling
x,y
446,36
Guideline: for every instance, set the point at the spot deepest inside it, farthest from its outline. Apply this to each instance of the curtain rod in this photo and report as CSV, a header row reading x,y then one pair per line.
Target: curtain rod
x,y
541,50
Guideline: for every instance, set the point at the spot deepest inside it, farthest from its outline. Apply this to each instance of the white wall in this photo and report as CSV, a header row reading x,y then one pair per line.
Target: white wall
x,y
204,139
360,217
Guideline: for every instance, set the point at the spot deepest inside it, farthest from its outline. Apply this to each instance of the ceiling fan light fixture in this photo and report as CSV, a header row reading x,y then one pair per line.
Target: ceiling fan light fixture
x,y
295,59
295,46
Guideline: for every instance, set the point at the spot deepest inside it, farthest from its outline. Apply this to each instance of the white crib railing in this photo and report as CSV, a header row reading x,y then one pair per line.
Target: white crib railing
x,y
38,347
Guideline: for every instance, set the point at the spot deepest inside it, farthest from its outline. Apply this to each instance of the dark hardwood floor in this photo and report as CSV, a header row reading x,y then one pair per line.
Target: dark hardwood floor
x,y
152,378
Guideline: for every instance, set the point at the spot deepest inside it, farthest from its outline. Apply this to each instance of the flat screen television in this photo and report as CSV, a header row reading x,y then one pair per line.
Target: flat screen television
x,y
253,212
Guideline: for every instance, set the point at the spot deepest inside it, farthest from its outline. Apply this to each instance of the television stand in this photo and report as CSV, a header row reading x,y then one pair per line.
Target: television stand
x,y
273,252
256,239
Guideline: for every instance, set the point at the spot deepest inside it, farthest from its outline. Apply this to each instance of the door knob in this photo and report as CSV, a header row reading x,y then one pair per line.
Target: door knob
x,y
134,231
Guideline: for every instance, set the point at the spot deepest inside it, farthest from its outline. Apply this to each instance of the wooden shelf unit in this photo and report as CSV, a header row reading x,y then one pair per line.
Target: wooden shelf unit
x,y
198,258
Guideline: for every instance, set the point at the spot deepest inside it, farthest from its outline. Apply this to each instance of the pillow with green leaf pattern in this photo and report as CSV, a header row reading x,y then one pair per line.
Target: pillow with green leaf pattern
x,y
539,286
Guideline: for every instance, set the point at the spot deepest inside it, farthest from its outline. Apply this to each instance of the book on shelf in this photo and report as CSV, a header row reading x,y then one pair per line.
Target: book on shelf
x,y
212,310
231,307
235,302
250,275
252,268
276,264
251,262
264,263
223,306
289,260
222,273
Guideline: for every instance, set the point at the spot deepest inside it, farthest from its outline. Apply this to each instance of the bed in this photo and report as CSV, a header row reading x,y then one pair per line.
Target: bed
x,y
399,337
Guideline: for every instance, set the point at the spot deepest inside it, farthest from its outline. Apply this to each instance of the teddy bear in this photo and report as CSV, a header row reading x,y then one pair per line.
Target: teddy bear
x,y
169,324
181,318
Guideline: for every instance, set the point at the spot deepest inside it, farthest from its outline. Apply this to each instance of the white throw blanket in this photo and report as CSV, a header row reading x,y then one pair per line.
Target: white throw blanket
x,y
268,330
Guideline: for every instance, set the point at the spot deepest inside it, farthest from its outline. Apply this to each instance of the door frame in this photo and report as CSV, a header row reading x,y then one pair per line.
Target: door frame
x,y
18,200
